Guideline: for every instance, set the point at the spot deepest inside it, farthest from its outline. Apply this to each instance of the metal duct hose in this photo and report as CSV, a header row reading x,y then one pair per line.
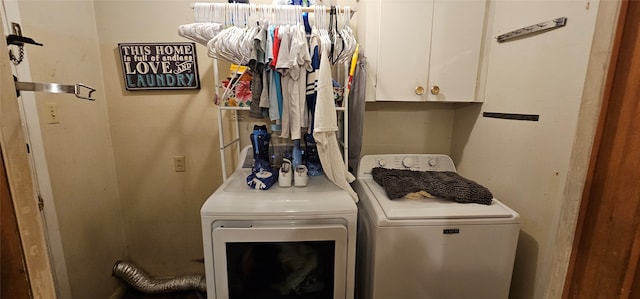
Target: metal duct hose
x,y
143,283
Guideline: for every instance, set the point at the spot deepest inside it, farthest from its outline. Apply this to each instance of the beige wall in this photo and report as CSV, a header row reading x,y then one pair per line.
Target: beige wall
x,y
79,148
395,128
392,128
111,160
161,207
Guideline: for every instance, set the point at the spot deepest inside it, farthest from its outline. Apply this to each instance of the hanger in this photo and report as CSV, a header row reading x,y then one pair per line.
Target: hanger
x,y
331,31
348,38
205,26
324,19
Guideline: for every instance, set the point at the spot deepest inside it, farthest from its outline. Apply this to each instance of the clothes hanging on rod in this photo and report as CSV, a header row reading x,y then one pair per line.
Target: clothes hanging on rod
x,y
326,126
236,22
273,41
284,51
356,104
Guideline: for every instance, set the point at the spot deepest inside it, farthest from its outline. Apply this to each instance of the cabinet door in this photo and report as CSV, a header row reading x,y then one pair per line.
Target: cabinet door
x,y
403,49
456,38
415,47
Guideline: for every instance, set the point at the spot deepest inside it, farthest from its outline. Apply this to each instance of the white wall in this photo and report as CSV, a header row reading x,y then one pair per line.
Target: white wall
x,y
527,164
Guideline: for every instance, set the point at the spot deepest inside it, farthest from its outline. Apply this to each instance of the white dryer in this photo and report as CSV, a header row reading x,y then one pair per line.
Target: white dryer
x,y
279,243
430,248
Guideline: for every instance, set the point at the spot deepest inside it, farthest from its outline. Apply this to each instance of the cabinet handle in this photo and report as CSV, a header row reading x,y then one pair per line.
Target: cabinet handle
x,y
419,90
435,90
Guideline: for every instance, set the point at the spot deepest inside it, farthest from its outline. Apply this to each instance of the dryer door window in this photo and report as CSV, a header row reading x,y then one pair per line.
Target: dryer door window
x,y
280,262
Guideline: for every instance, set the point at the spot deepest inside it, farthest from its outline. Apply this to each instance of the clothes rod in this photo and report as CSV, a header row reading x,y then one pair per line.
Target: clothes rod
x,y
339,9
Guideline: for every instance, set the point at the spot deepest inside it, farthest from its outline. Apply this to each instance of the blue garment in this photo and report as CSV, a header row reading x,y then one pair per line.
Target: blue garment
x,y
262,177
276,78
312,79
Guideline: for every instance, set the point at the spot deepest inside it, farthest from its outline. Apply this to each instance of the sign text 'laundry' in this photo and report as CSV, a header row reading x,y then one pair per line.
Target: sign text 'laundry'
x,y
159,66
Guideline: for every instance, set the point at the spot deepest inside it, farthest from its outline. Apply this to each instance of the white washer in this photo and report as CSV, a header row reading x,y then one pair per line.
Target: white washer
x,y
310,229
430,248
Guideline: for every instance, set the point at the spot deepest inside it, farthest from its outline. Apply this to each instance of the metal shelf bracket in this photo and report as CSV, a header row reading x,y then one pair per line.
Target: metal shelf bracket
x,y
80,90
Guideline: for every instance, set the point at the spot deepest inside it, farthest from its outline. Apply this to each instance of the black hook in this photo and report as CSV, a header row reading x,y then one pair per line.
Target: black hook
x,y
20,40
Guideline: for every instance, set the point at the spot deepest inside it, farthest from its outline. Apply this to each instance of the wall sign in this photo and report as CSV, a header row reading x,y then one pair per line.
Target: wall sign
x,y
159,66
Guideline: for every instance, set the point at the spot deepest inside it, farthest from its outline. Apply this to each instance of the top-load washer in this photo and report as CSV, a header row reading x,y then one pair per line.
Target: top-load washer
x,y
295,242
430,247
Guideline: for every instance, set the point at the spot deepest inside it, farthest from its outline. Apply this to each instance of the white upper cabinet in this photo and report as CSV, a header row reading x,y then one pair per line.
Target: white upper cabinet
x,y
422,50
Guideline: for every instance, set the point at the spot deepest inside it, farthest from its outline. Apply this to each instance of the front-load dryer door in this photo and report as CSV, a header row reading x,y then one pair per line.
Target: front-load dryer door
x,y
287,261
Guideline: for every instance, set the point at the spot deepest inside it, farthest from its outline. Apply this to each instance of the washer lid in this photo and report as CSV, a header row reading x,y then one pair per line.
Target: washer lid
x,y
433,208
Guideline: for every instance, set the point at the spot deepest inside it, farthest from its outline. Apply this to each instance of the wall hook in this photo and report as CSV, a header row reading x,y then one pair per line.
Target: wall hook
x,y
552,24
17,39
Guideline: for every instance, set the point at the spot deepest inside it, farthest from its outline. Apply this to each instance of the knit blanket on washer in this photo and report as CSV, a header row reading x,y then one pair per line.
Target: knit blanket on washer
x,y
397,183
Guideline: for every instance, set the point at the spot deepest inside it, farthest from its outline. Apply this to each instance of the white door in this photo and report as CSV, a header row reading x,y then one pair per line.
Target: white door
x,y
424,50
456,39
403,43
297,261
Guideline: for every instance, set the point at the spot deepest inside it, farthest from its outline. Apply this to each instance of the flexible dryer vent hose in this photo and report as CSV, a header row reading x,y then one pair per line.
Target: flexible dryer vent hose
x,y
138,279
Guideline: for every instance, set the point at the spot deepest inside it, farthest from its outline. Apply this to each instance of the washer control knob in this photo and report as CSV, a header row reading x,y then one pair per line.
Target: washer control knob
x,y
407,162
382,162
433,162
